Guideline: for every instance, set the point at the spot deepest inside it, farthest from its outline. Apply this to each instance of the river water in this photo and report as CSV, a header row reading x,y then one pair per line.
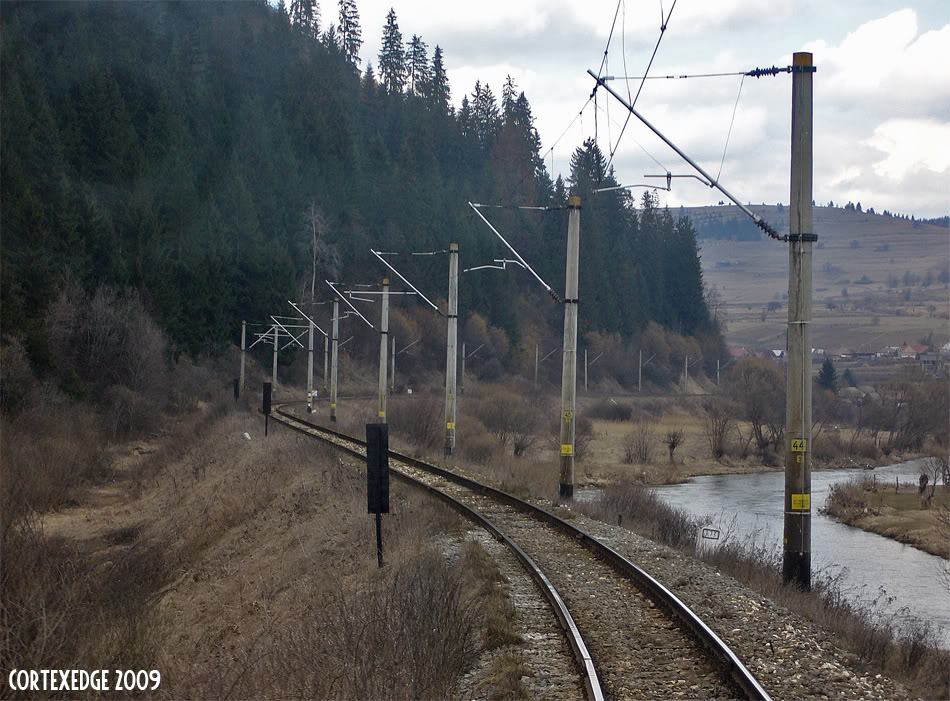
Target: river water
x,y
750,506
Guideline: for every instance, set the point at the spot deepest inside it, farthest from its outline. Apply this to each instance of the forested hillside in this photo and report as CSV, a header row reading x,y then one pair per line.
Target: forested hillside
x,y
207,154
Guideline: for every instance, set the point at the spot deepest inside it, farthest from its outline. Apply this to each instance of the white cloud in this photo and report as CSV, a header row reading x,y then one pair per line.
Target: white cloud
x,y
910,145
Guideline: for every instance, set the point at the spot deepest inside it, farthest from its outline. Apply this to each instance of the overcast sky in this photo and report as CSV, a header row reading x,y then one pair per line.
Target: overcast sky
x,y
881,93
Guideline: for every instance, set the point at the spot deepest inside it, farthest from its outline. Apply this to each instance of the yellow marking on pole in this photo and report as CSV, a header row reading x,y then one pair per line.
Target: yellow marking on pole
x,y
450,425
568,415
567,449
800,458
382,414
332,405
801,502
799,445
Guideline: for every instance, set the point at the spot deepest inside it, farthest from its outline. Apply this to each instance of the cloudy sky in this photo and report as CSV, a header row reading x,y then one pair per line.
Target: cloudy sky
x,y
881,93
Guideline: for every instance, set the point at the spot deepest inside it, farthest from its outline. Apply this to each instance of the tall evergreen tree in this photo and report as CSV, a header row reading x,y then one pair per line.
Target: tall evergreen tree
x,y
305,16
392,62
417,63
440,95
351,36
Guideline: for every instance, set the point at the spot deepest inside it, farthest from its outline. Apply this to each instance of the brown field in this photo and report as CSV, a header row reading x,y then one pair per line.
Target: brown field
x,y
871,314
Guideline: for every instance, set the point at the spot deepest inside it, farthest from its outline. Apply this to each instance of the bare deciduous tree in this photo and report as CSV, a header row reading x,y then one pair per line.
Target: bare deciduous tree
x,y
718,423
673,438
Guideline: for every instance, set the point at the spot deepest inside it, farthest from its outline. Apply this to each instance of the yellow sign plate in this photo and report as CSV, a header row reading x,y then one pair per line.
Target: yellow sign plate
x,y
450,425
333,406
568,415
801,502
382,414
567,449
799,445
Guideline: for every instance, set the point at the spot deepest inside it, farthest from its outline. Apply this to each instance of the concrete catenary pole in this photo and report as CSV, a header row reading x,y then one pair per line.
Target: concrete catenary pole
x,y
585,369
462,375
243,357
392,387
326,357
383,349
686,375
274,370
569,368
451,351
310,370
334,358
536,350
796,563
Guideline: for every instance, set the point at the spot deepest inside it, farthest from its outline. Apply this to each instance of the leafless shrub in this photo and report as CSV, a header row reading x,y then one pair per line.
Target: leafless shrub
x,y
16,377
718,424
610,410
419,420
643,511
638,443
674,436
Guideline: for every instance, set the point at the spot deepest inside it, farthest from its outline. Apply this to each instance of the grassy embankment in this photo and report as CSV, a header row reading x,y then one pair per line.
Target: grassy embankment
x,y
893,511
236,567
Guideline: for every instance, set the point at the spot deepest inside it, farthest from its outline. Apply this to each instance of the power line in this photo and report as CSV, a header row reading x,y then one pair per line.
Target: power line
x,y
633,103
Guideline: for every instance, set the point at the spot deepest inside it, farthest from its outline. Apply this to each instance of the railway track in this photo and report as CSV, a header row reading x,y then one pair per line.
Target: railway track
x,y
630,636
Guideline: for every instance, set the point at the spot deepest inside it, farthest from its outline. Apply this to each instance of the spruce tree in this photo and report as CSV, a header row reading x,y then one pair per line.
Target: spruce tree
x,y
392,62
417,63
439,93
305,16
351,36
828,376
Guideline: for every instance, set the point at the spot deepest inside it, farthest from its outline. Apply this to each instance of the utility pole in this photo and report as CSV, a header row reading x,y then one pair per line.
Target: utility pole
x,y
686,375
334,360
393,386
274,371
383,347
462,376
640,373
243,356
796,562
310,370
585,370
450,349
717,372
569,367
536,349
326,355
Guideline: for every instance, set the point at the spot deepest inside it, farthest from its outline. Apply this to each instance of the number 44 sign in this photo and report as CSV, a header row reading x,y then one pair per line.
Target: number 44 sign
x,y
799,445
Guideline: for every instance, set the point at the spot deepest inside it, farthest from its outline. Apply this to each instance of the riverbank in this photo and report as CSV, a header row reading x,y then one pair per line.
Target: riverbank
x,y
894,511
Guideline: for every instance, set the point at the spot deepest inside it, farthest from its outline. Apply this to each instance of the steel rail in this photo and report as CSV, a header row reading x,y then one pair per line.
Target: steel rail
x,y
581,654
656,591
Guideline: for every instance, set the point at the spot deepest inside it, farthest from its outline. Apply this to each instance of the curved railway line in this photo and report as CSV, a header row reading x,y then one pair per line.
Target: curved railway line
x,y
630,636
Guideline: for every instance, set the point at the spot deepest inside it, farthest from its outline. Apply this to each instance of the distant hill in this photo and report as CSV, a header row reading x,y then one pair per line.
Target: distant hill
x,y
876,278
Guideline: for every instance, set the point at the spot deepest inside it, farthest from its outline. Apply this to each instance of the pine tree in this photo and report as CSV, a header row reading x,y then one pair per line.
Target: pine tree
x,y
828,376
331,40
417,62
439,93
305,16
485,116
392,63
351,36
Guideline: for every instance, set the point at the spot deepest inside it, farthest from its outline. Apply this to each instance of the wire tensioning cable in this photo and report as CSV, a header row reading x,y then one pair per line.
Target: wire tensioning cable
x,y
761,223
753,73
642,148
729,133
550,290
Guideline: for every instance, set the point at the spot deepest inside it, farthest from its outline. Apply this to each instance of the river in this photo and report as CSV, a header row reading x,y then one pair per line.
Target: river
x,y
751,505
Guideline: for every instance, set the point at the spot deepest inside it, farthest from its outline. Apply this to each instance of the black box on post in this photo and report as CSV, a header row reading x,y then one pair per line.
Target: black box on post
x,y
377,468
267,397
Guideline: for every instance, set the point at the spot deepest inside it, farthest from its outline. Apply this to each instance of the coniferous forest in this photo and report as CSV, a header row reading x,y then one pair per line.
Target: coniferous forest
x,y
217,157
